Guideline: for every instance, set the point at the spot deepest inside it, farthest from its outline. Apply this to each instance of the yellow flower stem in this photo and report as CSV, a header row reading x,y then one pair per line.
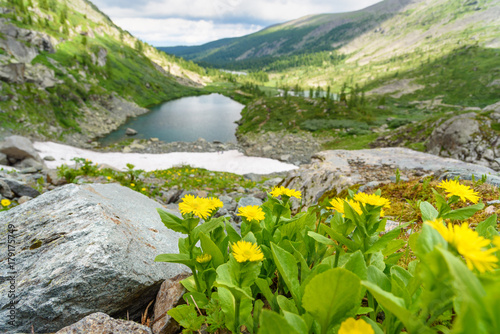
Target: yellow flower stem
x,y
237,303
371,303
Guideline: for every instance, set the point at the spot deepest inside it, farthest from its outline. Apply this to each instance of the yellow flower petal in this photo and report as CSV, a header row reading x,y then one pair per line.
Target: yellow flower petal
x,y
453,188
251,212
353,326
246,251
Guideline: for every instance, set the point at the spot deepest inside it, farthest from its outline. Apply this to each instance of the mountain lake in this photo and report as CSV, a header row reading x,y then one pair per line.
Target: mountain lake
x,y
211,117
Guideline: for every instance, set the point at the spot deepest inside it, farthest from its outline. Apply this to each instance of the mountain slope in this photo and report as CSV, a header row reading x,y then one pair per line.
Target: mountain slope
x,y
308,34
67,72
384,30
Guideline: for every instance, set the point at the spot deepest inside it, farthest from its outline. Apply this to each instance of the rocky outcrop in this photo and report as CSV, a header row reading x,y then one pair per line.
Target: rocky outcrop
x,y
13,73
41,75
471,137
331,172
81,250
467,137
102,323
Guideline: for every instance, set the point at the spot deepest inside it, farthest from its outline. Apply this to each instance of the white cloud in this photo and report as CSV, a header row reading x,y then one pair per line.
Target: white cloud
x,y
169,32
183,22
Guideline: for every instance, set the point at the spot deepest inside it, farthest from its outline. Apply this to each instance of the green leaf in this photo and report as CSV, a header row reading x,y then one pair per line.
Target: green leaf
x,y
232,234
321,238
332,296
209,247
428,211
226,279
351,214
427,240
187,317
207,227
286,304
385,239
482,227
228,305
287,266
176,258
297,322
172,222
364,310
463,213
377,276
274,323
397,307
375,326
264,288
351,245
356,264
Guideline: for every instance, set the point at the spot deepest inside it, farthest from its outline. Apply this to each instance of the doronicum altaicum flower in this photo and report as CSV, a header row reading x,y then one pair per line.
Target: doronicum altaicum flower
x,y
200,207
277,191
5,202
204,258
251,212
353,326
453,188
338,205
244,251
468,244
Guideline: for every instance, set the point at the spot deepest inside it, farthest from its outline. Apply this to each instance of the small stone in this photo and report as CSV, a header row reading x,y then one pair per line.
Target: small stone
x,y
49,158
5,190
130,132
102,323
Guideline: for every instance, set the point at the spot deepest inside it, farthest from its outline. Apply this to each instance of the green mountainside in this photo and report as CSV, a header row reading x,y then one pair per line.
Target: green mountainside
x,y
67,72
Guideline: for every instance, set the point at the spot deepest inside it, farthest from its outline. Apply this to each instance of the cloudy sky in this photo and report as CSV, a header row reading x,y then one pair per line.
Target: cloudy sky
x,y
194,22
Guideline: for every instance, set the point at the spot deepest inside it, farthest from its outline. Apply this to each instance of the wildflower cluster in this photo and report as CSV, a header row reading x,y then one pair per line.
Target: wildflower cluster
x,y
360,200
199,206
318,272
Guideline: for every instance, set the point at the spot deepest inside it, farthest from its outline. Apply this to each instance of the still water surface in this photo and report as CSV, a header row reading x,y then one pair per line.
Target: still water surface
x,y
211,117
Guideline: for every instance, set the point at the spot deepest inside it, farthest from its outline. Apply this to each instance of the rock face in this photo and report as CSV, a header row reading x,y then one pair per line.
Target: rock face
x,y
466,137
101,323
19,148
168,297
85,249
334,171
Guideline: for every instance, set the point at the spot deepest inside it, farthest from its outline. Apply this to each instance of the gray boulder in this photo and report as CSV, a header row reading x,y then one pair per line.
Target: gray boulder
x,y
85,249
99,322
13,72
248,200
18,49
130,132
40,75
21,189
102,57
19,148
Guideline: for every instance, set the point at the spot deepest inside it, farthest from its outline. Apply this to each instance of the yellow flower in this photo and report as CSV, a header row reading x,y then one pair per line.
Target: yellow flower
x,y
215,203
353,326
197,206
5,202
132,185
372,199
469,244
453,188
251,212
143,189
246,251
338,205
109,178
205,258
277,191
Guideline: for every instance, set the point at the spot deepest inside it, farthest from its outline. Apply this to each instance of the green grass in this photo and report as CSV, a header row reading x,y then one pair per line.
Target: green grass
x,y
350,142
